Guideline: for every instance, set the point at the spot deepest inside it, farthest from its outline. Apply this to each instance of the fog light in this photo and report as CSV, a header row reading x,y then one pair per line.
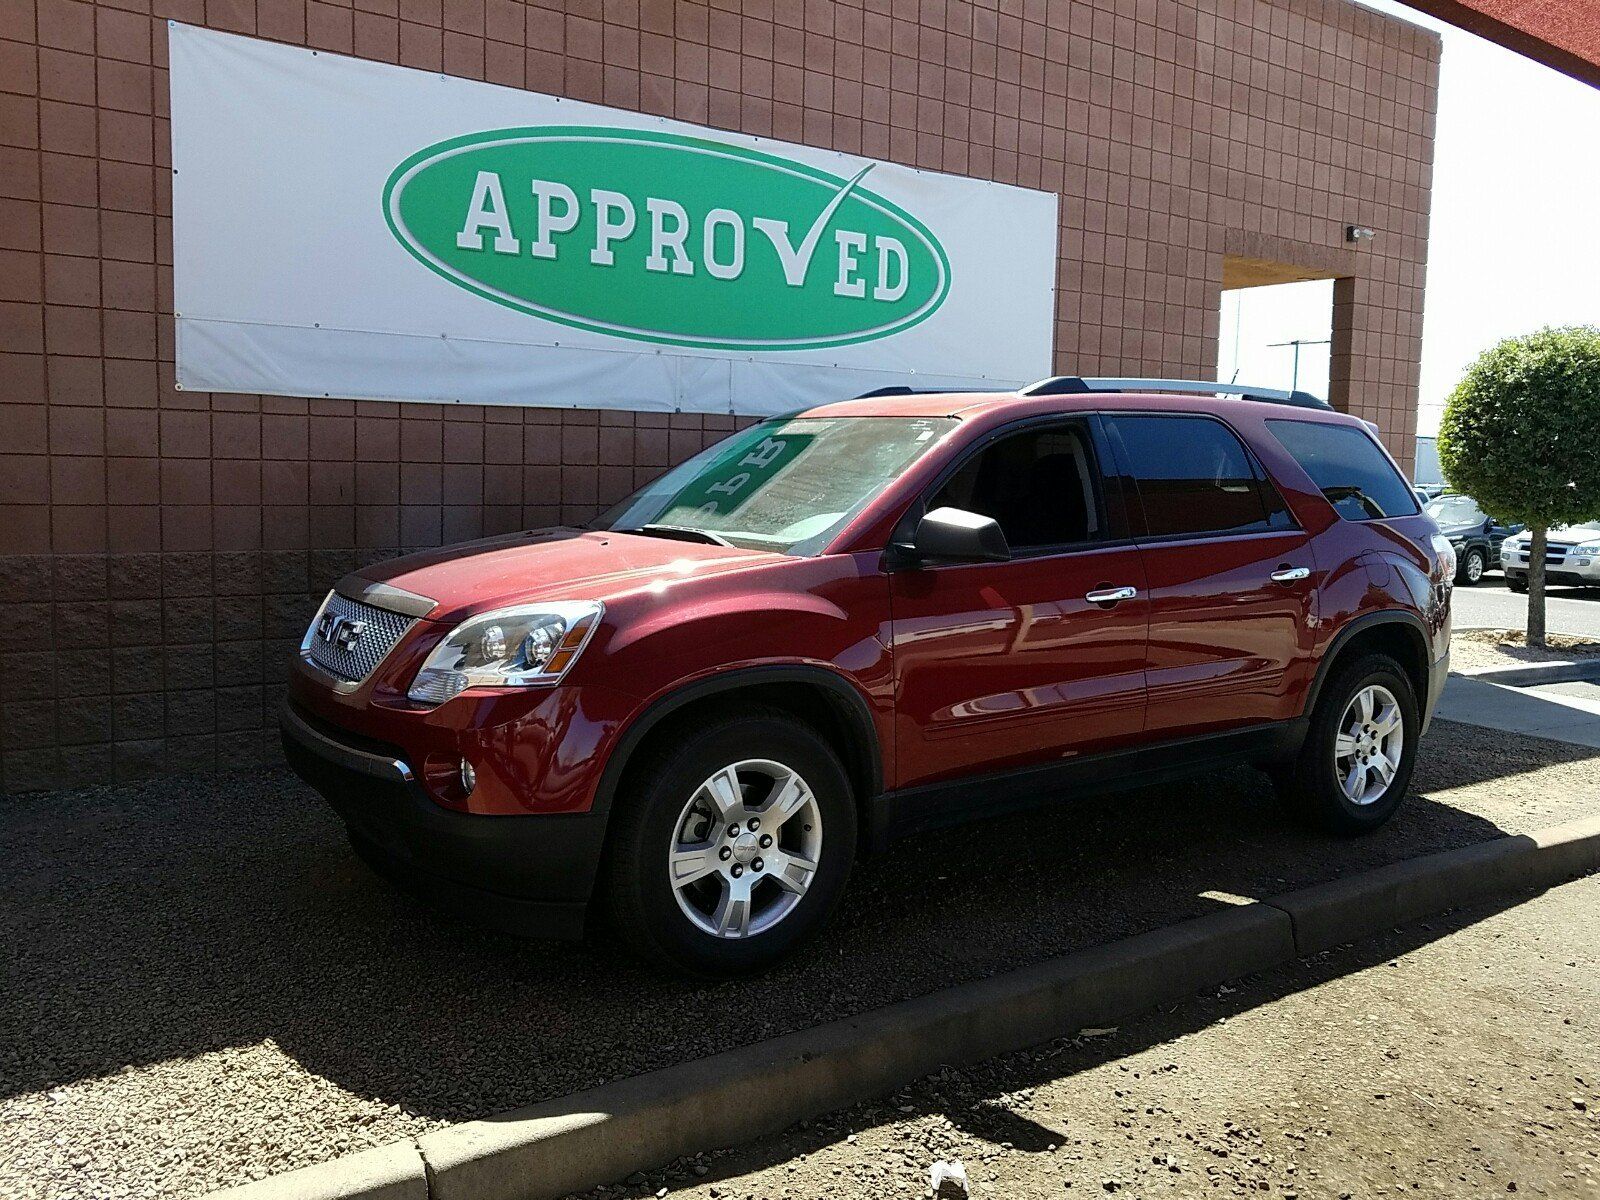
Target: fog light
x,y
469,777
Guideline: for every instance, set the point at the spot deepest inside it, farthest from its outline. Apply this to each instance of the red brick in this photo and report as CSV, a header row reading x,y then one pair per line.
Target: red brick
x,y
72,331
122,35
21,275
19,173
71,280
17,22
77,431
66,25
64,75
77,480
19,121
19,69
66,128
21,328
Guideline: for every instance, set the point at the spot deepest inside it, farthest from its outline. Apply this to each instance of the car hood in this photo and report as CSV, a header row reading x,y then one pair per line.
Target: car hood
x,y
549,564
1461,530
1561,533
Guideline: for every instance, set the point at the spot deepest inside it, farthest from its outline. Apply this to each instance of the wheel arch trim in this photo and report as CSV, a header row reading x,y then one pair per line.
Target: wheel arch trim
x,y
1363,624
854,707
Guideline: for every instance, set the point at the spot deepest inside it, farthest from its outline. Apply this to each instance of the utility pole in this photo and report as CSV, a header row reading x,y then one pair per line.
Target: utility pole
x,y
1297,343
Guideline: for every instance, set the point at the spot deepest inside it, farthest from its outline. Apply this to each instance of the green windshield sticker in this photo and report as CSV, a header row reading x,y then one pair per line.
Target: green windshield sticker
x,y
659,237
729,482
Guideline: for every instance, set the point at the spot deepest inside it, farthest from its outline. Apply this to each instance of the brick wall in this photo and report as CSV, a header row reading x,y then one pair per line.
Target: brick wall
x,y
160,551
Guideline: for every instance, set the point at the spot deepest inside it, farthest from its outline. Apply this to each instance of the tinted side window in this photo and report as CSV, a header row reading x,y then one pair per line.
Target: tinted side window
x,y
1192,475
1040,485
1349,468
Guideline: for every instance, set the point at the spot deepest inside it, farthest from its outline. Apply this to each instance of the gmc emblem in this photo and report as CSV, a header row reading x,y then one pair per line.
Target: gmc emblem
x,y
340,631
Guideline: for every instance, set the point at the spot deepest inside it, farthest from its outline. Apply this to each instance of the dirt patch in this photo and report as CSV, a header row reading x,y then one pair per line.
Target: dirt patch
x,y
1455,1057
200,984
1476,649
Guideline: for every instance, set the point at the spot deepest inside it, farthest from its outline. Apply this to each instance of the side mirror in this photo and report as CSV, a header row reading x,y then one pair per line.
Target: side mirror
x,y
955,535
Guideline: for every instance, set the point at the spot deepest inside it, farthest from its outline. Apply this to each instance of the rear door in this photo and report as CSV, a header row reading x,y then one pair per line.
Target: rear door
x,y
1232,578
1010,664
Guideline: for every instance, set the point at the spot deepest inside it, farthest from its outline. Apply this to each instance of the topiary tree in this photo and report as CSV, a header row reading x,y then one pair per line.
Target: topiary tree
x,y
1521,436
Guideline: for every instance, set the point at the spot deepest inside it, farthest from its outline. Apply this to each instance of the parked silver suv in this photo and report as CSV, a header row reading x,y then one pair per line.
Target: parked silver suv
x,y
1571,556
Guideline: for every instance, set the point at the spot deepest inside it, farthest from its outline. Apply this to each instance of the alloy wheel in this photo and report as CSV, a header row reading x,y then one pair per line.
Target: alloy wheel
x,y
745,848
1370,742
1474,567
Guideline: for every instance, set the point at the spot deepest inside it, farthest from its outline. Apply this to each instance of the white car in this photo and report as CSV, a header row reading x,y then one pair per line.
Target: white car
x,y
1571,556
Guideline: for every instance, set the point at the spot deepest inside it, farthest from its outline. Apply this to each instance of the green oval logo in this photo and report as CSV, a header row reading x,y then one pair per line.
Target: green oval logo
x,y
664,238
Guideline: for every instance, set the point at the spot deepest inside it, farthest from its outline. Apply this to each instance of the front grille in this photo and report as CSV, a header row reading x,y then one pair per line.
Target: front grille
x,y
357,638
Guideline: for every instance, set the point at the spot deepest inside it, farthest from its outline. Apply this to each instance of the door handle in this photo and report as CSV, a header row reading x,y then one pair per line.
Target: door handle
x,y
1290,574
1111,595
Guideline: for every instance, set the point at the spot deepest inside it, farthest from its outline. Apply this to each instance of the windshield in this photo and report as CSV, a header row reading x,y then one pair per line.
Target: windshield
x,y
1455,510
786,485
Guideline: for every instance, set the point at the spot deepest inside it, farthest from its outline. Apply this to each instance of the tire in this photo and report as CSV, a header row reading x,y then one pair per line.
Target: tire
x,y
1472,567
1519,586
1315,787
678,810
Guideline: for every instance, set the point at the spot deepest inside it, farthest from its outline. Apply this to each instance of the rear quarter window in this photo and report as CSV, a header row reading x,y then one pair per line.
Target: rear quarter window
x,y
1349,468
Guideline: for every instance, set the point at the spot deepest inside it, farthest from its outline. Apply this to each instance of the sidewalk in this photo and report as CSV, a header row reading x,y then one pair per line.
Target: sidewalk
x,y
1565,712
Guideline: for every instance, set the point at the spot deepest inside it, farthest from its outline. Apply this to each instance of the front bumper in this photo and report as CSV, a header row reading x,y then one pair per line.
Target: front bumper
x,y
1438,672
1580,577
526,874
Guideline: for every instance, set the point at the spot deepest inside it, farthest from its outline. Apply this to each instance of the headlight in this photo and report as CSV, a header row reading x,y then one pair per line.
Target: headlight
x,y
510,647
1447,556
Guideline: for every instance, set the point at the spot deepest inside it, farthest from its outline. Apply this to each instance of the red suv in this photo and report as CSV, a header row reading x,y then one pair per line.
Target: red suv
x,y
868,619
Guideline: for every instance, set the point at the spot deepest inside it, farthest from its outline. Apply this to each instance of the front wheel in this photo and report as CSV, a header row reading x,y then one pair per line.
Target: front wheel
x,y
1473,565
731,844
1519,586
1355,765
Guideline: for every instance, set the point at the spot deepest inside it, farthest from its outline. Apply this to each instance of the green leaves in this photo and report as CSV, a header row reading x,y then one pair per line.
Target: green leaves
x,y
1521,432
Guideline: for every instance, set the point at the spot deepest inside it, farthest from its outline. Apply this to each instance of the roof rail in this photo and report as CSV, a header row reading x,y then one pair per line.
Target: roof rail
x,y
1070,385
901,389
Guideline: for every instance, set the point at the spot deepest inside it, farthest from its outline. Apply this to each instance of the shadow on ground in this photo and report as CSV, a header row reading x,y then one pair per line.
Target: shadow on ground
x,y
973,1100
147,923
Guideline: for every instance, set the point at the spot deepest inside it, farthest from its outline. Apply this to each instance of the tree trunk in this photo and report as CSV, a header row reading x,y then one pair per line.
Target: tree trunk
x,y
1536,586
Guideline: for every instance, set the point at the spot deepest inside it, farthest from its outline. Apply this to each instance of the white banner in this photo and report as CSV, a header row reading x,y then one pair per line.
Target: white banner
x,y
353,229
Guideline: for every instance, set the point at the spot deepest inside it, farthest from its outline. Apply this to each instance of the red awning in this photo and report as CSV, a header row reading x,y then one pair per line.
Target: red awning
x,y
1564,34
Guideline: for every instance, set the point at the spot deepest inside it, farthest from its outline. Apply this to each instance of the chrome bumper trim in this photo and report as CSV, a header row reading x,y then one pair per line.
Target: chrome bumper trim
x,y
375,765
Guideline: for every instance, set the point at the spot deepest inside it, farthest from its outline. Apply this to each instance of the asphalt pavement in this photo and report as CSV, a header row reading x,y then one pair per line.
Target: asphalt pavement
x,y
1491,605
202,985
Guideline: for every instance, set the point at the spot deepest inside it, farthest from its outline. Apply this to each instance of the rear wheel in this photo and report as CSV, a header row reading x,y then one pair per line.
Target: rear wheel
x,y
1473,564
731,845
1355,765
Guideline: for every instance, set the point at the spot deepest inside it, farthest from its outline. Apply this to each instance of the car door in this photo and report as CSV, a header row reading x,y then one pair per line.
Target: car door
x,y
1009,664
1231,576
1498,532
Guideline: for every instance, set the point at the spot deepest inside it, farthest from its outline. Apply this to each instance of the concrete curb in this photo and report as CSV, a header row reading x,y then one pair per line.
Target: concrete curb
x,y
594,1137
392,1172
578,1142
1535,674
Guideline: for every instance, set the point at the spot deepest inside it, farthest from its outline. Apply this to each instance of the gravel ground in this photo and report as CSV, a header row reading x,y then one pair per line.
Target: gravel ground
x,y
1472,649
1457,1057
200,984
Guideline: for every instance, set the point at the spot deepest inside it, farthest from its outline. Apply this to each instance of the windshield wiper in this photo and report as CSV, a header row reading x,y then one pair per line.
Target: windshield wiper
x,y
682,533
